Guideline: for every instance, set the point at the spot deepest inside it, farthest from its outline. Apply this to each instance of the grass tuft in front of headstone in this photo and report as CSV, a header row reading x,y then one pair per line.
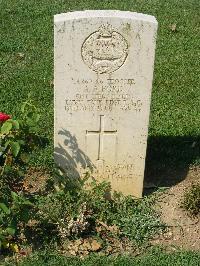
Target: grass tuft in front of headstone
x,y
85,218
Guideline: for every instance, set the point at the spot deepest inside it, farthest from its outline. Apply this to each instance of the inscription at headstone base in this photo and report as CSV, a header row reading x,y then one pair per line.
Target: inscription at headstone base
x,y
103,79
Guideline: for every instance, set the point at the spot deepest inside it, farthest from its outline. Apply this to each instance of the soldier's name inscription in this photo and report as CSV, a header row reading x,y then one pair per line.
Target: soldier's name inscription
x,y
103,95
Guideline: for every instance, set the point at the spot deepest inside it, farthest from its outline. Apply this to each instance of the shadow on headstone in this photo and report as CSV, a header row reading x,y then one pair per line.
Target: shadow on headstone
x,y
70,157
168,160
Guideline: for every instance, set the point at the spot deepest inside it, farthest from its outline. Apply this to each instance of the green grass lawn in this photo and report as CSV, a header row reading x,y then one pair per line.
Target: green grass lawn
x,y
27,28
155,258
26,65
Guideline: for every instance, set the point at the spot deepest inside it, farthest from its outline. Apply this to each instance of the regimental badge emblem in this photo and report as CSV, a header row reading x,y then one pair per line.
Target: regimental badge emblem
x,y
105,50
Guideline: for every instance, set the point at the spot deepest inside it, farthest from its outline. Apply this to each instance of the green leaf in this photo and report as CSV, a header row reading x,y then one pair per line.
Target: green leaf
x,y
15,147
15,124
6,127
10,231
28,203
4,208
7,143
14,195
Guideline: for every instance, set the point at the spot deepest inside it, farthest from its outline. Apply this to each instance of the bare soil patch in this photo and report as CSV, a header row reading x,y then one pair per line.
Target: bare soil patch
x,y
35,180
183,229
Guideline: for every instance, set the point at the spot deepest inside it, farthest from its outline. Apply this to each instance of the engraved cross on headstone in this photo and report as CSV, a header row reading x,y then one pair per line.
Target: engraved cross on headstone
x,y
101,132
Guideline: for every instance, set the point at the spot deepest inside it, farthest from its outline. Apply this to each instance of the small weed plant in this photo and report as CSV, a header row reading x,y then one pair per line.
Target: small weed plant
x,y
79,212
191,200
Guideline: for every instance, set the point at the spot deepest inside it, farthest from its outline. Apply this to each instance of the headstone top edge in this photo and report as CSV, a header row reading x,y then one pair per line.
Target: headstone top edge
x,y
104,14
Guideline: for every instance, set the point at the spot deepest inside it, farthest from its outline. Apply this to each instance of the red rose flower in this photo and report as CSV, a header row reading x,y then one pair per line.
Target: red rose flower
x,y
4,117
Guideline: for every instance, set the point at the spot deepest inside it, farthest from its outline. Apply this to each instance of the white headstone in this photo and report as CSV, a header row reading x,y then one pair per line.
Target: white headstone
x,y
103,78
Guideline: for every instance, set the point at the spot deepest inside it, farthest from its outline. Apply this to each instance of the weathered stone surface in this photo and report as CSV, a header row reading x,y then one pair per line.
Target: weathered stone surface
x,y
103,79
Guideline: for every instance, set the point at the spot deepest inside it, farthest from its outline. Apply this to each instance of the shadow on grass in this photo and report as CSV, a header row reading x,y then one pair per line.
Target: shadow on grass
x,y
168,160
